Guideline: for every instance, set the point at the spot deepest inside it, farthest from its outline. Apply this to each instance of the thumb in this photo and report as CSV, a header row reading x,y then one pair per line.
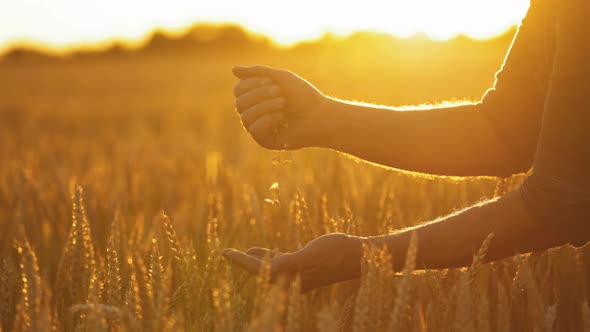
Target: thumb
x,y
243,72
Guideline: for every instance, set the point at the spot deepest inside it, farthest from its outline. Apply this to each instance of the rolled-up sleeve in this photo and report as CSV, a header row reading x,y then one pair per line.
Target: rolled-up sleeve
x,y
557,193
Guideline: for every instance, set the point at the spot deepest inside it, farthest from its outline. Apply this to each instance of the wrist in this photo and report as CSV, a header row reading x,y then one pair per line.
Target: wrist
x,y
396,244
351,268
325,125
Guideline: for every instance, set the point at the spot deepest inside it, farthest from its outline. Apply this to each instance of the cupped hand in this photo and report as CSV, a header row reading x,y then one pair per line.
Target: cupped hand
x,y
325,260
278,108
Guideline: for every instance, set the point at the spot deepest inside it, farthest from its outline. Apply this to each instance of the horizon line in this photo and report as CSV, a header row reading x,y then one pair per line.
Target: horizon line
x,y
138,43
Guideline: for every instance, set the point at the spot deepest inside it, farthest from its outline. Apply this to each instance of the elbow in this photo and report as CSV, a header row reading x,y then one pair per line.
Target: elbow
x,y
516,143
512,163
521,163
520,151
560,206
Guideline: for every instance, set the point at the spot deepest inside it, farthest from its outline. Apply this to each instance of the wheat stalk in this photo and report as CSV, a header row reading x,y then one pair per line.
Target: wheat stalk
x,y
586,316
383,288
113,287
156,273
464,314
403,288
550,317
295,307
144,296
8,293
361,307
327,321
223,307
270,312
173,242
480,303
502,309
108,312
132,298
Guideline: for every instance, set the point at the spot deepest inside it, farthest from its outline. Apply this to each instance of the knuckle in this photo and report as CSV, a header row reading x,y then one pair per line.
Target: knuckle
x,y
288,73
246,122
340,237
280,102
241,104
259,68
273,90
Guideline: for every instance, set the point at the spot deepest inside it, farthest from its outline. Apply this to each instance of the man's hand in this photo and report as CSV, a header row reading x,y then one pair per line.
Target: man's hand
x,y
328,259
280,109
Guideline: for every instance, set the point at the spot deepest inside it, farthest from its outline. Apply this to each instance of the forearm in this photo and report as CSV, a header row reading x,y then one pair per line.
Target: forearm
x,y
452,241
443,141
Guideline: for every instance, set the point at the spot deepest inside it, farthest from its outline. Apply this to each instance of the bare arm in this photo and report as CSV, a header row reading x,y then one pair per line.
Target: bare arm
x,y
497,136
551,208
283,111
444,243
453,240
445,141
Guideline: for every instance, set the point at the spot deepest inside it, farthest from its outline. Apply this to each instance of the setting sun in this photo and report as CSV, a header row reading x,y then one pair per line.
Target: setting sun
x,y
60,23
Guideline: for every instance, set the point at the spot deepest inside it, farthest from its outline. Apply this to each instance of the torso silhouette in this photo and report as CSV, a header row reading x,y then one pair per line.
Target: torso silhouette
x,y
540,109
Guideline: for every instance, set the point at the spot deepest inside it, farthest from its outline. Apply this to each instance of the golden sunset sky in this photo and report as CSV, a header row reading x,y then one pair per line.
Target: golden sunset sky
x,y
65,23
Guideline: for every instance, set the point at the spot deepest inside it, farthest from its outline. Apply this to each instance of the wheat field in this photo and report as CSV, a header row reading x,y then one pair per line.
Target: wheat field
x,y
124,175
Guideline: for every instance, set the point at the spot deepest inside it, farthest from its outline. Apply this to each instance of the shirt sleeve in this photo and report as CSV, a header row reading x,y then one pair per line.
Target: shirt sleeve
x,y
558,192
514,106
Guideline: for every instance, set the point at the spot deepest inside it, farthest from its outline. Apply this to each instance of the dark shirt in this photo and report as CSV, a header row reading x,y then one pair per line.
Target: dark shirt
x,y
540,109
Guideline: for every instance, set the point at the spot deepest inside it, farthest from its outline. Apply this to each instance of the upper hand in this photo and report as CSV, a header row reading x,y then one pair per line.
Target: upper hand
x,y
277,107
328,259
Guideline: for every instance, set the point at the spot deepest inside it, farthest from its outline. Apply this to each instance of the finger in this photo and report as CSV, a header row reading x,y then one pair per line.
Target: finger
x,y
251,115
248,84
258,71
262,252
265,129
248,263
257,95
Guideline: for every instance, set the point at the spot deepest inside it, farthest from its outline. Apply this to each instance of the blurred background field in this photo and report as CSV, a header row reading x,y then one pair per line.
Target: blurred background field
x,y
154,129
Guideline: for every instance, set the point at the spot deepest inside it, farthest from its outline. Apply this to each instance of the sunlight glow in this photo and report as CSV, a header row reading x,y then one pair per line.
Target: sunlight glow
x,y
70,22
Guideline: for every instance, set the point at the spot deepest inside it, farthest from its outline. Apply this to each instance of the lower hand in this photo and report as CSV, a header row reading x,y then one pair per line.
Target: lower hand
x,y
328,259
